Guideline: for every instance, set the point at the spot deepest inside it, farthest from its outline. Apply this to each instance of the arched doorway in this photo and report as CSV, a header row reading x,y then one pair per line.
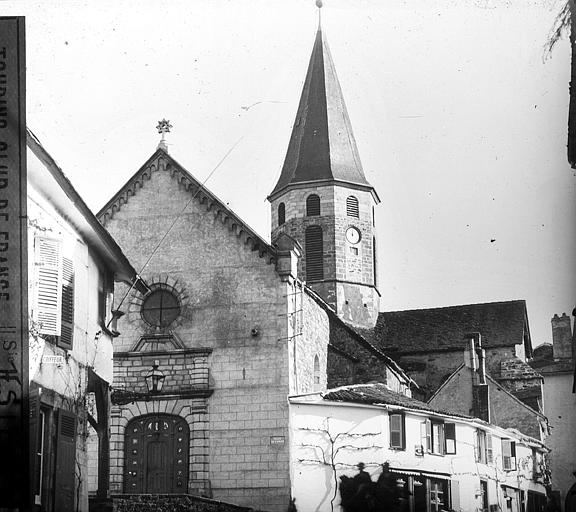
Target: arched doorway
x,y
156,448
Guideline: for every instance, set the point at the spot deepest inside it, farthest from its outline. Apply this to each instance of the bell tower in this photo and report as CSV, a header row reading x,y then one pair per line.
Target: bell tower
x,y
323,200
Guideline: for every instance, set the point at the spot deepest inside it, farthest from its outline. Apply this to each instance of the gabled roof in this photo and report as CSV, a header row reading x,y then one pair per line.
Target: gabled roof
x,y
52,183
501,388
322,148
379,394
161,161
501,324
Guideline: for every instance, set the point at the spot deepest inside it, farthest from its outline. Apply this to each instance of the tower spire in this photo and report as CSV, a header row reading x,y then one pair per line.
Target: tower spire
x,y
322,146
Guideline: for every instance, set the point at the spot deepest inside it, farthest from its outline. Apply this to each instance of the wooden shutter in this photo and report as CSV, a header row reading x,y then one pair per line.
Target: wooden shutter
x,y
312,205
35,461
450,438
454,495
352,209
426,435
314,253
489,452
67,316
397,431
48,261
508,455
65,461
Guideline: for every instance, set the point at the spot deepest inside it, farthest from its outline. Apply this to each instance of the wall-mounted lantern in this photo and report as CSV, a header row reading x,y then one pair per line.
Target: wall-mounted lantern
x,y
155,379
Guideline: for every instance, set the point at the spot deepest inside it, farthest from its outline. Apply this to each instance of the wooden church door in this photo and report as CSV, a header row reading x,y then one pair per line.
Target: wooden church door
x,y
156,460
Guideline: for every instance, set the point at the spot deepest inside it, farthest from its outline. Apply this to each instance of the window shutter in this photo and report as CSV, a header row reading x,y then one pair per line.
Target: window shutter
x,y
65,461
454,494
48,261
507,454
35,446
476,444
426,434
352,209
314,253
489,452
312,205
450,436
396,431
512,455
67,318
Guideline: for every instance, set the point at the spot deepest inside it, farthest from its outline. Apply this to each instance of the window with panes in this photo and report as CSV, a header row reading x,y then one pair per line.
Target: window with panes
x,y
397,431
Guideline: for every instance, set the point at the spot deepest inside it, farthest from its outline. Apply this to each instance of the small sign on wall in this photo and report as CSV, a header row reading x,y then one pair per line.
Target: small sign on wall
x,y
276,440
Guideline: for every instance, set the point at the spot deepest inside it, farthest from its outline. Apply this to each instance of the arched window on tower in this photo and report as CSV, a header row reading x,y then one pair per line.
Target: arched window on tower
x,y
314,253
352,209
312,205
281,214
316,373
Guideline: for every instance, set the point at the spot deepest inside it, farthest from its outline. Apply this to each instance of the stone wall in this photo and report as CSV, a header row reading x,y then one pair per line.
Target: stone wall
x,y
233,303
349,280
172,503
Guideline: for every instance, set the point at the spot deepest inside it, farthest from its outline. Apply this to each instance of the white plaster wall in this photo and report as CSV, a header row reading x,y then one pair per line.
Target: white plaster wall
x,y
89,348
361,434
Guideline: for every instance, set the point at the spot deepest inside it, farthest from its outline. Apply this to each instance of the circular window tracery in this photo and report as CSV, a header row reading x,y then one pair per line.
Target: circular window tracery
x,y
160,307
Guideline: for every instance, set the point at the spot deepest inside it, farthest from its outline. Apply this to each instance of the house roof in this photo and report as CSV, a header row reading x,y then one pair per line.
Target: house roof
x,y
322,148
51,182
379,394
444,329
163,162
501,388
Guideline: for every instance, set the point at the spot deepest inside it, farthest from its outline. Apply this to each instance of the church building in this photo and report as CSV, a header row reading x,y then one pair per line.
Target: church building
x,y
232,325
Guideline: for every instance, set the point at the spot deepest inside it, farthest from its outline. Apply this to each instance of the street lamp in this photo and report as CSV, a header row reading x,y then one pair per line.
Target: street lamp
x,y
154,379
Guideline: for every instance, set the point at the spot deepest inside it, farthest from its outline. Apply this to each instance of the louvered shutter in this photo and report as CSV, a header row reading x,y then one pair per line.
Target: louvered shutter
x,y
35,446
314,254
489,452
454,495
65,461
312,205
67,316
396,431
48,261
352,209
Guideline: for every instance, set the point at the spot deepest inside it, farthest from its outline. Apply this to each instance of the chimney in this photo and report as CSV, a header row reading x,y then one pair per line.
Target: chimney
x,y
562,336
480,391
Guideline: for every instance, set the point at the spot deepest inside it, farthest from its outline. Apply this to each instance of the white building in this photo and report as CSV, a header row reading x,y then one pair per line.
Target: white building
x,y
72,265
440,461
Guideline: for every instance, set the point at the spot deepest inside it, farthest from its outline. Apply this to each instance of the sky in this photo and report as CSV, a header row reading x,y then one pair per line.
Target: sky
x,y
459,116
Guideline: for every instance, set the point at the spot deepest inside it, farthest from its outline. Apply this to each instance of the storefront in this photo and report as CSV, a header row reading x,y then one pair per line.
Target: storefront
x,y
422,492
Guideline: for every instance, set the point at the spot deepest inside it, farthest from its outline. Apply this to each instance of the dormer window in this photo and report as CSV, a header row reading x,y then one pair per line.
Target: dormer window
x,y
312,205
281,214
352,209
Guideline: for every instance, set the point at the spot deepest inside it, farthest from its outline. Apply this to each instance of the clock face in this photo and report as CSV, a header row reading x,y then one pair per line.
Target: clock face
x,y
353,235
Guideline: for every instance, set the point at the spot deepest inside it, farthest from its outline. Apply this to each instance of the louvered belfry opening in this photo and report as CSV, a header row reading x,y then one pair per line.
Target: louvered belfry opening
x,y
281,214
312,205
352,209
314,254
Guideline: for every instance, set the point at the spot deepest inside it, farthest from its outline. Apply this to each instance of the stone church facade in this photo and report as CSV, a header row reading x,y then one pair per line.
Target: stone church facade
x,y
235,324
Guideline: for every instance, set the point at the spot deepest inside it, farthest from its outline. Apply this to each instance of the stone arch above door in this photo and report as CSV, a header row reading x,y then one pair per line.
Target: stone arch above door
x,y
156,454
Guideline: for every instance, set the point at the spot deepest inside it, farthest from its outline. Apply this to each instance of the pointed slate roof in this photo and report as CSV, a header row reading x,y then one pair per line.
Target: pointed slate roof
x,y
322,146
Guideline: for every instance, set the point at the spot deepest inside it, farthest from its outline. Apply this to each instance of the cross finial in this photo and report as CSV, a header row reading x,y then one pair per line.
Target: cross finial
x,y
163,128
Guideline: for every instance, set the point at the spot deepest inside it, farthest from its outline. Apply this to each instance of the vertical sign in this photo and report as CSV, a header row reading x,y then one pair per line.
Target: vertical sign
x,y
14,456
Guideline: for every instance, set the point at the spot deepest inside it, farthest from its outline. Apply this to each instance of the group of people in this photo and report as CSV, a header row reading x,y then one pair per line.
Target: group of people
x,y
361,494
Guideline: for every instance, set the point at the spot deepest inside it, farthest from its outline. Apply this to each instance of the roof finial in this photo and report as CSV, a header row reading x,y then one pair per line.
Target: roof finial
x,y
163,128
319,5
